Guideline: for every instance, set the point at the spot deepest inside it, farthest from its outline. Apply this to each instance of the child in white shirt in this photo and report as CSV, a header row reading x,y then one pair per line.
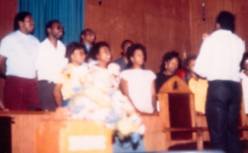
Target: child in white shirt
x,y
73,74
137,83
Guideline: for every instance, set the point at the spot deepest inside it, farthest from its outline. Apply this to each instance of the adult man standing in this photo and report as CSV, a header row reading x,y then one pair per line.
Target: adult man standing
x,y
218,61
51,60
18,51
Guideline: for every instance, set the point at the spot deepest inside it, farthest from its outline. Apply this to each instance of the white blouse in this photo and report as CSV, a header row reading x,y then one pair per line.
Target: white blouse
x,y
140,84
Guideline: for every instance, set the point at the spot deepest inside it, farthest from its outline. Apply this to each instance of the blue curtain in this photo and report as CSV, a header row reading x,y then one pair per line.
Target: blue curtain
x,y
68,12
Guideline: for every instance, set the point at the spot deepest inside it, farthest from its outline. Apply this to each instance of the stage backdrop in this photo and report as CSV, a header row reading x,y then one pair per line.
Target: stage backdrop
x,y
69,12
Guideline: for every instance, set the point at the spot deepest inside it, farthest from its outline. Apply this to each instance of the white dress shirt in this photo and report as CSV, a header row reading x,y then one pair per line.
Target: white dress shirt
x,y
21,51
51,60
140,84
220,55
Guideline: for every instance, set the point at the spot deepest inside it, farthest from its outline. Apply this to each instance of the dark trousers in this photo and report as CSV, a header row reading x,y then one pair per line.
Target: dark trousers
x,y
222,110
47,100
20,93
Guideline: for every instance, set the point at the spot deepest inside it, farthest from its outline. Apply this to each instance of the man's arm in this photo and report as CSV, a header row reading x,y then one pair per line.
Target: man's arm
x,y
57,94
204,57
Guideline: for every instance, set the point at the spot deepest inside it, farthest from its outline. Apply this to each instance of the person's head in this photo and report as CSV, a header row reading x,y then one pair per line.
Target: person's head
x,y
136,55
225,20
170,63
125,45
101,52
24,22
54,29
88,36
244,62
190,63
76,53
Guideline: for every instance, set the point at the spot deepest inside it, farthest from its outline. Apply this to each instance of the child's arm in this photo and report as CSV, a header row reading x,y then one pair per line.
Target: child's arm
x,y
154,97
57,94
124,90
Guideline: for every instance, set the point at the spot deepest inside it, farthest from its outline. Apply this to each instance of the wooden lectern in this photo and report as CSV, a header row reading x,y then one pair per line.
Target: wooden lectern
x,y
178,114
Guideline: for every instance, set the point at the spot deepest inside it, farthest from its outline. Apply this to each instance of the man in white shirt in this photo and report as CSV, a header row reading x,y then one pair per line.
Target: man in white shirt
x,y
218,61
18,52
51,60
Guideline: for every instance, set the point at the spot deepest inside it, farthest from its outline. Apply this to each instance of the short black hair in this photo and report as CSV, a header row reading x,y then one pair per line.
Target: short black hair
x,y
124,42
226,20
71,47
96,49
167,57
131,51
50,23
86,31
244,58
20,17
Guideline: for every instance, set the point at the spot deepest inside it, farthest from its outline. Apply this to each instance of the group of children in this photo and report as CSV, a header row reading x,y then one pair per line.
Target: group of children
x,y
91,87
90,90
137,84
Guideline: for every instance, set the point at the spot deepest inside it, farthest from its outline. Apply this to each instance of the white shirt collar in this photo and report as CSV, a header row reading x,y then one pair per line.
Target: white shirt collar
x,y
24,35
48,42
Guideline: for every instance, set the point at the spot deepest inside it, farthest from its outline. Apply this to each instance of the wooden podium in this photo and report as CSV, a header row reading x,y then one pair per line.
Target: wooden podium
x,y
73,136
178,114
43,132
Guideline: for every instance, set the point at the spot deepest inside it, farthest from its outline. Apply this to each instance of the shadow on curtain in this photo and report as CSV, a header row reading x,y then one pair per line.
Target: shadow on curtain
x,y
68,12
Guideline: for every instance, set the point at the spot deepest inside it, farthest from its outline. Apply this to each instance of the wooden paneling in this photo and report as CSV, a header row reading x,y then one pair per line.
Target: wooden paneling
x,y
161,25
213,7
154,137
7,12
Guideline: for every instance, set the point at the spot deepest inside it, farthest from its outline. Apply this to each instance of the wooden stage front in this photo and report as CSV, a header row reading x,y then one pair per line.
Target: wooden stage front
x,y
40,132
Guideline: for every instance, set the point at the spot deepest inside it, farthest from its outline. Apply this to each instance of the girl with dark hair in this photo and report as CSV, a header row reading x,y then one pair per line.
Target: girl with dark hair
x,y
168,68
244,80
137,83
101,52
